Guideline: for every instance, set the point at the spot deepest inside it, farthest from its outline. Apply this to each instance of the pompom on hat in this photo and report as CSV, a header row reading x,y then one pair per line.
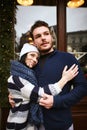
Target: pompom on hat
x,y
27,48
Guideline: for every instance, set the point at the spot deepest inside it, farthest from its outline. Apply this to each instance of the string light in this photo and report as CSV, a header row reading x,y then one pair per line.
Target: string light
x,y
75,3
25,2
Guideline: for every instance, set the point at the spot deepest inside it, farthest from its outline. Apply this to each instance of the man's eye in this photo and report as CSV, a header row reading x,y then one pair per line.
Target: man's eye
x,y
37,36
47,33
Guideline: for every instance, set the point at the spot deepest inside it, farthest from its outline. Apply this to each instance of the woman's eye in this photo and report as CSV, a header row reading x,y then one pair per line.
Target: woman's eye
x,y
32,55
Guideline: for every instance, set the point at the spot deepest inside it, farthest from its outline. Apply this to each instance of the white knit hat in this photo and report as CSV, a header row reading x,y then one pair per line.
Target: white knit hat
x,y
28,48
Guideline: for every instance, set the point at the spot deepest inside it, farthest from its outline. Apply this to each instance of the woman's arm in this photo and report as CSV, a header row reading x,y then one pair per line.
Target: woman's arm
x,y
28,90
67,75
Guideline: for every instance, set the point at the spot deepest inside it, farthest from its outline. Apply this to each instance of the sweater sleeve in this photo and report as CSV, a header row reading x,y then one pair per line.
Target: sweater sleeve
x,y
31,92
54,88
28,90
35,92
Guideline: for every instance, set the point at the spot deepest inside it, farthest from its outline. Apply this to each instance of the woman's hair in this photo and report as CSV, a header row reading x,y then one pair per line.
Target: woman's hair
x,y
38,23
22,60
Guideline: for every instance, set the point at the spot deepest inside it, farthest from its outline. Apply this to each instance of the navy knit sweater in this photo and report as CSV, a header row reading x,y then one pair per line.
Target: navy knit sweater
x,y
59,116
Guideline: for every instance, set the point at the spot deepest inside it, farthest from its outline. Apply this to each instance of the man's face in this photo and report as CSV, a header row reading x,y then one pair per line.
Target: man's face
x,y
43,39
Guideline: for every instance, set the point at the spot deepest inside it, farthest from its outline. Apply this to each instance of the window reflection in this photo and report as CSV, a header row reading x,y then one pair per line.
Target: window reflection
x,y
77,35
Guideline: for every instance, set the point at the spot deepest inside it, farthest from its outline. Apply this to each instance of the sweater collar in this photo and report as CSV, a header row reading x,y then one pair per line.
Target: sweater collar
x,y
49,54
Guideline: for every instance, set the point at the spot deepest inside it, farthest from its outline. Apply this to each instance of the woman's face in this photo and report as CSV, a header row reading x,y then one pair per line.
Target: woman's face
x,y
31,59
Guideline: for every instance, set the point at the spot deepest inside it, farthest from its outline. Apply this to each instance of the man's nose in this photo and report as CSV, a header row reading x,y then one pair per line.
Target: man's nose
x,y
43,37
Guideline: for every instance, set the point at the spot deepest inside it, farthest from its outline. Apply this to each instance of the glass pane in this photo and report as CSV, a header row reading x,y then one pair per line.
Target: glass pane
x,y
77,34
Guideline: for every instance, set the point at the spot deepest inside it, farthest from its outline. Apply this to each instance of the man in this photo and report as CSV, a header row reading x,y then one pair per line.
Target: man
x,y
56,109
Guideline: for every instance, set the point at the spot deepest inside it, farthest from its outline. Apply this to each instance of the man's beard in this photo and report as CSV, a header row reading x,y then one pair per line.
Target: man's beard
x,y
45,51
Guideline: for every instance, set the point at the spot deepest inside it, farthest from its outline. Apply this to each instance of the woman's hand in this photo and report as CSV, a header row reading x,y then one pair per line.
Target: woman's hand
x,y
11,101
70,73
67,75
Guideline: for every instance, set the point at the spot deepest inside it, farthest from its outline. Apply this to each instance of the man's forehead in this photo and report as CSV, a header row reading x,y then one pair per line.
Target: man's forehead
x,y
40,30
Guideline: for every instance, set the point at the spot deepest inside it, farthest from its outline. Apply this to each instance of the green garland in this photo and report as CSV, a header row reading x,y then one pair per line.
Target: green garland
x,y
7,39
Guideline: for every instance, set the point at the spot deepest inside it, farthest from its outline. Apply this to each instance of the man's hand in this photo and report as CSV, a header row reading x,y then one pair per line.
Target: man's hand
x,y
46,101
11,101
